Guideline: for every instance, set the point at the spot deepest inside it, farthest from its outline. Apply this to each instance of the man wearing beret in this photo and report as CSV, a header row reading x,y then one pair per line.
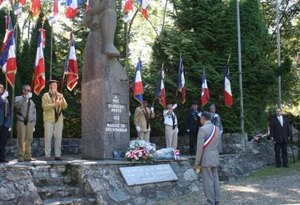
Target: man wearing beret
x,y
53,104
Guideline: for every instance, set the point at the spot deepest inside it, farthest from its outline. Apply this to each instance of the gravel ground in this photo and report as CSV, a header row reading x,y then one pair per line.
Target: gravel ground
x,y
276,189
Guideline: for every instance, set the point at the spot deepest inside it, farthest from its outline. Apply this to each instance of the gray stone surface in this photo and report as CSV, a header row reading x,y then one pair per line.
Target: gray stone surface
x,y
105,93
190,175
234,143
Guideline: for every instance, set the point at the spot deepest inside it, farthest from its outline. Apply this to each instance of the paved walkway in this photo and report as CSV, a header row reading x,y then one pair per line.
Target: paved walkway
x,y
270,190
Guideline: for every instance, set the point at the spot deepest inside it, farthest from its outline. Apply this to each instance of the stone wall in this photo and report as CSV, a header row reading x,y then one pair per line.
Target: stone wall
x,y
109,187
84,182
16,186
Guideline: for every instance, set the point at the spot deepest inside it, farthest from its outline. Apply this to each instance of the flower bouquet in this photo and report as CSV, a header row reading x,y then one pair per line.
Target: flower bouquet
x,y
138,154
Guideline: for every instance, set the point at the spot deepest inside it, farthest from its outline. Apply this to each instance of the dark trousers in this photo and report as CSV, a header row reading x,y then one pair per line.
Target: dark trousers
x,y
281,152
3,141
193,142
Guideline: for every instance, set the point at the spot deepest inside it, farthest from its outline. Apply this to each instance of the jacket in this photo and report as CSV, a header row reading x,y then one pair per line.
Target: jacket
x,y
209,156
278,132
140,118
48,105
21,104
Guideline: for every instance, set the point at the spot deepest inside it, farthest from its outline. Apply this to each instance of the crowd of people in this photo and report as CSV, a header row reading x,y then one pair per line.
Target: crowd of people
x,y
205,130
53,103
143,115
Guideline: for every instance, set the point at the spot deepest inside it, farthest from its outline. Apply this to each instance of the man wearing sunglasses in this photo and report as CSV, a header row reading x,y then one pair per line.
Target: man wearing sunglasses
x,y
26,120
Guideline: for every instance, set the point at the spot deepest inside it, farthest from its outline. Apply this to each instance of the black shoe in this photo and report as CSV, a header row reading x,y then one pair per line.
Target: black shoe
x,y
57,158
3,160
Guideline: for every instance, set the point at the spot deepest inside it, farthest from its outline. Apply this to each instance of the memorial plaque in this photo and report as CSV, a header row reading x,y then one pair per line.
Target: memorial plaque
x,y
148,174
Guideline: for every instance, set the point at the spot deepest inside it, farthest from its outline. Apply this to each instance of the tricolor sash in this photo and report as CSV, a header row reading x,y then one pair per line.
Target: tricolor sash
x,y
210,137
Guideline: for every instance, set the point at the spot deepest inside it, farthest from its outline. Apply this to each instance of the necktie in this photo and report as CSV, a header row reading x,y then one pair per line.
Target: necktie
x,y
27,112
173,120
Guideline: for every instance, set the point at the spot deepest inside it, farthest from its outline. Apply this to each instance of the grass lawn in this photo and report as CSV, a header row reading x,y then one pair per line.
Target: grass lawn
x,y
273,171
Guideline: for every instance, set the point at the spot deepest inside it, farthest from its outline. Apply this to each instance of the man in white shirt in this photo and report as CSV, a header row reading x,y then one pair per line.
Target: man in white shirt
x,y
171,126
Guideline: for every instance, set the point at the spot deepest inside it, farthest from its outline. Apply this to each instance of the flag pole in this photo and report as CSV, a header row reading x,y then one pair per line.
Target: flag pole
x,y
278,51
240,66
51,52
13,87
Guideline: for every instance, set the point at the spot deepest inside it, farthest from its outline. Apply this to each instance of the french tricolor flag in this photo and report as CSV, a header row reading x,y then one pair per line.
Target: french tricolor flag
x,y
143,4
8,60
39,70
72,8
204,91
161,91
71,68
138,89
227,88
181,81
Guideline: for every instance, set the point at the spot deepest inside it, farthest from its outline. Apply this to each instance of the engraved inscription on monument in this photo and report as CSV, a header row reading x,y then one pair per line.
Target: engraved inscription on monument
x,y
116,109
148,174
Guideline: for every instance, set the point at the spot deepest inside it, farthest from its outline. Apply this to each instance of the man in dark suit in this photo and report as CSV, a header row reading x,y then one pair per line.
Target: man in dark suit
x,y
192,125
279,133
207,157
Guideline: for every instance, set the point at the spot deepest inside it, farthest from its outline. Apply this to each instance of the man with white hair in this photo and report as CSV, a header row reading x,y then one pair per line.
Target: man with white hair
x,y
171,126
216,120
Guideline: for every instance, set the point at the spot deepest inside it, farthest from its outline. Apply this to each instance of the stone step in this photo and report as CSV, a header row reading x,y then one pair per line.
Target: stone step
x,y
58,191
48,171
46,181
70,201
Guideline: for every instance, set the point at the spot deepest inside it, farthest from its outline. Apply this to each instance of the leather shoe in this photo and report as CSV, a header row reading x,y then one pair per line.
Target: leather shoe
x,y
47,159
57,158
30,159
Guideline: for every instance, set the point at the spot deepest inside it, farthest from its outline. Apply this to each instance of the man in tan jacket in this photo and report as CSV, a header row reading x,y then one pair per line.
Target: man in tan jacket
x,y
53,103
142,116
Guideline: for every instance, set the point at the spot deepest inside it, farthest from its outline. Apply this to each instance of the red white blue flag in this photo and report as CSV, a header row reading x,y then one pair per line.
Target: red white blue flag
x,y
71,67
143,4
181,81
87,7
204,91
55,7
138,89
128,6
39,80
161,91
22,2
72,8
227,88
8,60
35,7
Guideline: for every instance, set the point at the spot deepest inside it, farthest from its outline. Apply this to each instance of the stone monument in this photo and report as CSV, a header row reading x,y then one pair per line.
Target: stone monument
x,y
105,90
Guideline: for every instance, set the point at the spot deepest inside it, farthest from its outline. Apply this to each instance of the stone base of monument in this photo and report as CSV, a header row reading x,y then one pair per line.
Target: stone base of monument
x,y
95,182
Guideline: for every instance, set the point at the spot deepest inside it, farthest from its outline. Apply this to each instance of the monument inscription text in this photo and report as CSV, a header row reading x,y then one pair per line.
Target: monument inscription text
x,y
148,174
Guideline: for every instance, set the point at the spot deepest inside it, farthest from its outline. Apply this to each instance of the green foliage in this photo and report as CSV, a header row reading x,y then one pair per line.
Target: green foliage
x,y
205,39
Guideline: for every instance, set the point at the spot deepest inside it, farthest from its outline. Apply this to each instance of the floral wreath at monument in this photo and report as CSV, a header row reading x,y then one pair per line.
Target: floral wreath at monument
x,y
138,153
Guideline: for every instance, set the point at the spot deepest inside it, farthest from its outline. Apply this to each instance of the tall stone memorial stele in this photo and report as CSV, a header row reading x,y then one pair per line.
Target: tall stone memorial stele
x,y
105,91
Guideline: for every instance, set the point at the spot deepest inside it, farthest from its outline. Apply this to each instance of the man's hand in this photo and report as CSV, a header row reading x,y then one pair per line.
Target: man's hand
x,y
152,109
4,95
197,168
138,128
